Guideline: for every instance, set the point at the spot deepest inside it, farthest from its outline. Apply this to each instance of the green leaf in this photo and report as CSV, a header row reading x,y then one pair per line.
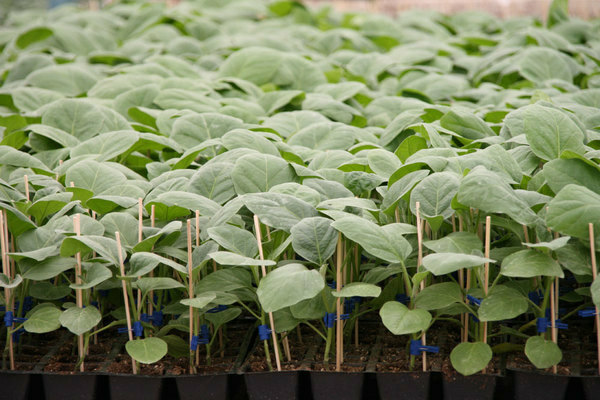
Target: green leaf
x,y
234,239
446,263
562,172
32,35
148,284
358,289
456,242
49,268
466,124
530,263
194,129
45,290
103,246
435,193
199,301
288,285
227,258
69,79
470,358
80,320
255,173
143,262
43,320
553,245
222,317
147,351
225,280
549,132
486,191
280,211
501,304
541,64
573,208
402,321
542,353
95,275
314,239
93,176
8,283
384,242
439,295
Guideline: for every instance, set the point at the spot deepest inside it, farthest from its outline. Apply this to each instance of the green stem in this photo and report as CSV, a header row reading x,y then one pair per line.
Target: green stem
x,y
314,328
328,342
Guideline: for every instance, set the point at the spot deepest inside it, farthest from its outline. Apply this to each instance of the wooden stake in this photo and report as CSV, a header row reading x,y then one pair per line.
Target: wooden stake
x,y
357,263
419,261
190,282
594,274
486,270
5,267
264,273
78,292
125,297
197,235
140,238
151,294
338,306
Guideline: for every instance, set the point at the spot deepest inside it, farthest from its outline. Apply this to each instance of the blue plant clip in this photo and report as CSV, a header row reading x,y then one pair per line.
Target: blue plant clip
x,y
204,334
416,348
475,319
543,324
194,343
9,319
350,303
94,303
217,309
156,318
474,300
330,319
403,298
536,297
588,312
332,284
264,332
138,329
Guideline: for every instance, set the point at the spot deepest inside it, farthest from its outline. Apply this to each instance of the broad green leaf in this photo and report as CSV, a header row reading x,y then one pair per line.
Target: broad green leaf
x,y
358,289
199,301
435,193
549,132
486,191
553,245
456,242
439,295
466,124
384,163
94,176
530,263
573,208
562,172
280,211
402,321
80,320
148,284
95,275
446,263
106,146
16,158
288,285
225,280
147,351
222,317
227,258
384,242
260,172
542,353
49,268
193,129
103,246
540,64
213,181
470,358
400,188
10,283
501,304
69,79
142,263
43,320
45,290
234,239
314,239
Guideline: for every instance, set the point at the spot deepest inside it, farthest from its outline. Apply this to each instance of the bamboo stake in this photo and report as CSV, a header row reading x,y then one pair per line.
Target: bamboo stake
x,y
190,285
125,297
140,238
5,271
151,294
553,321
99,304
594,274
486,271
264,273
338,306
197,235
464,318
356,262
419,261
78,292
